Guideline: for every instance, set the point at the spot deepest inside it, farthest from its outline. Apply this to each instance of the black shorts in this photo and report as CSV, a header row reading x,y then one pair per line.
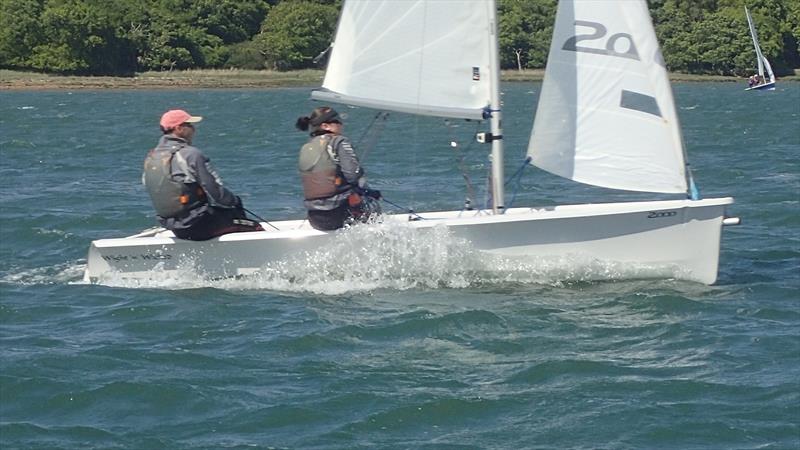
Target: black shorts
x,y
329,220
217,222
336,218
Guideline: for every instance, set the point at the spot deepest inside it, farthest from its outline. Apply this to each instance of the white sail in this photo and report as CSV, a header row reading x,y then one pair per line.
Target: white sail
x,y
606,115
770,75
428,57
762,61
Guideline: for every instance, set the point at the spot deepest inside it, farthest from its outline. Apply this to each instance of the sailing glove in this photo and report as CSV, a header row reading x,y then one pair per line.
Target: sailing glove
x,y
373,193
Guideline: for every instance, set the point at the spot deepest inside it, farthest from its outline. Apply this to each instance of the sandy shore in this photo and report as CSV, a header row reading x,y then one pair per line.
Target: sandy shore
x,y
236,79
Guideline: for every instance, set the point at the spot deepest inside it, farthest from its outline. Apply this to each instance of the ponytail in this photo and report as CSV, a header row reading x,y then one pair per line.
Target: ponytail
x,y
302,123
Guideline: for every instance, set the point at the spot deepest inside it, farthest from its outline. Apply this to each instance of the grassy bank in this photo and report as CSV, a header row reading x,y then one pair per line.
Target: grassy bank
x,y
203,79
219,79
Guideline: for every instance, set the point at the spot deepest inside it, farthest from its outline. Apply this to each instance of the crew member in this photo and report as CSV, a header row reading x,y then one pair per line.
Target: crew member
x,y
188,195
334,184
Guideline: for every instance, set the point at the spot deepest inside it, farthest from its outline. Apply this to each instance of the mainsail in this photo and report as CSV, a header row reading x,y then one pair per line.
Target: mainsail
x,y
426,57
606,114
414,56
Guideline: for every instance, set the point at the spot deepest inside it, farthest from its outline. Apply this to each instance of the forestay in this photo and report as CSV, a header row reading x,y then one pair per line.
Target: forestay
x,y
415,56
606,114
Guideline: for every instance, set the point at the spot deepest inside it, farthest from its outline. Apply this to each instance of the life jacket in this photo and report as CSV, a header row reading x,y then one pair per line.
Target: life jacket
x,y
171,198
319,168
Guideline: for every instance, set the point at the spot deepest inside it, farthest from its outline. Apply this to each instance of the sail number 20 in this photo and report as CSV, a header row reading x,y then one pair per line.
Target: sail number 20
x,y
599,33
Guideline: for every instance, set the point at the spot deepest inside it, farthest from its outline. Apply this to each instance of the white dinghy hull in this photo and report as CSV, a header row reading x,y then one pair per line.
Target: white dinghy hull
x,y
763,87
681,236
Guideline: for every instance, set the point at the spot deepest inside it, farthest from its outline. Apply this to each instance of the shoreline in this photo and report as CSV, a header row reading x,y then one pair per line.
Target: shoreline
x,y
245,79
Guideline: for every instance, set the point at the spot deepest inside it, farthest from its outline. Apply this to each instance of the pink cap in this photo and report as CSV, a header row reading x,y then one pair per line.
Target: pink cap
x,y
174,117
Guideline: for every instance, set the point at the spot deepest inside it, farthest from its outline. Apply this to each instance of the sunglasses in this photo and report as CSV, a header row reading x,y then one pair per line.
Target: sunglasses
x,y
187,124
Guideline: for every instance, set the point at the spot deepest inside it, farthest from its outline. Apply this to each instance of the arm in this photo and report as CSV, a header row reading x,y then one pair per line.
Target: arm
x,y
349,164
205,174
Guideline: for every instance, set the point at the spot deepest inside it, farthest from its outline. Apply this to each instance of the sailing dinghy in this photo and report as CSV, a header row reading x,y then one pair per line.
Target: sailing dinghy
x,y
606,117
768,83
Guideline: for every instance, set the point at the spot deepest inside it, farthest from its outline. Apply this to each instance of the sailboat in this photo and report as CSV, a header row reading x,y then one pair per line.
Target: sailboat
x,y
767,83
606,117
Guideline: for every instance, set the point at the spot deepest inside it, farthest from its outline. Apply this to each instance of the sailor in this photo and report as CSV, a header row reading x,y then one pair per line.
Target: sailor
x,y
334,185
188,195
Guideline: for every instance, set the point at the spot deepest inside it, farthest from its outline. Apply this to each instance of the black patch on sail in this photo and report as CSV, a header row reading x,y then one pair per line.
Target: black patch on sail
x,y
476,74
639,102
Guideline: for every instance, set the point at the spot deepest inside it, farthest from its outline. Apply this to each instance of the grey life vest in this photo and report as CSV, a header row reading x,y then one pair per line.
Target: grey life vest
x,y
171,198
319,168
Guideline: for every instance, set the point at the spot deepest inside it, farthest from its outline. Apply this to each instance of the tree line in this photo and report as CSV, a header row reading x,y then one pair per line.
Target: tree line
x,y
122,37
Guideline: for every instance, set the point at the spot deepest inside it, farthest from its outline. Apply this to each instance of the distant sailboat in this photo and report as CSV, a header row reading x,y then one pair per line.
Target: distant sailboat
x,y
761,83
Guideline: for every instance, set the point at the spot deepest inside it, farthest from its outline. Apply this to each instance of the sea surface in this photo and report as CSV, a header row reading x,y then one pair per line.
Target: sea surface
x,y
393,344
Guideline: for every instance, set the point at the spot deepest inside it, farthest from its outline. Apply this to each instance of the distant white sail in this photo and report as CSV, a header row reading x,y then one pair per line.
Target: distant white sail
x,y
606,114
762,61
427,57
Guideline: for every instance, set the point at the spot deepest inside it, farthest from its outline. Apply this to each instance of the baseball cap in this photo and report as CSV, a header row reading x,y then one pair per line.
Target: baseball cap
x,y
327,117
175,117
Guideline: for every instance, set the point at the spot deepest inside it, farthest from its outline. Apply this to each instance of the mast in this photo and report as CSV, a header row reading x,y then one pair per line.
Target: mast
x,y
498,176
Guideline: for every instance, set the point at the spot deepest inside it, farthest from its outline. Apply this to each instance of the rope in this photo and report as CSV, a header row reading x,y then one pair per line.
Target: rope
x,y
259,218
518,173
517,176
460,163
408,210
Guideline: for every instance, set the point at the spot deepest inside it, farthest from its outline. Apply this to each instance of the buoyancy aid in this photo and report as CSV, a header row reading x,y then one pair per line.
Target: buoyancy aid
x,y
171,198
319,169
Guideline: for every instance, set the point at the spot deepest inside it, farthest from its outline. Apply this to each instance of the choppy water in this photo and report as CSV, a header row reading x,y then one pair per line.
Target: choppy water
x,y
398,346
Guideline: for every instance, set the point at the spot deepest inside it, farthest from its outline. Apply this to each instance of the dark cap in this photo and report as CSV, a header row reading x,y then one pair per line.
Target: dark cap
x,y
327,117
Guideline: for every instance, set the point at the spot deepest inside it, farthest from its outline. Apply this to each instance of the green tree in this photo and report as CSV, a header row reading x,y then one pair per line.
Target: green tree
x,y
123,36
720,44
712,36
20,31
245,55
791,34
79,37
525,28
295,32
231,20
170,39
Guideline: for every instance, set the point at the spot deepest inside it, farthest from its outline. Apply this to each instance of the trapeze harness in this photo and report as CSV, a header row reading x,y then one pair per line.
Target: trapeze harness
x,y
319,171
171,198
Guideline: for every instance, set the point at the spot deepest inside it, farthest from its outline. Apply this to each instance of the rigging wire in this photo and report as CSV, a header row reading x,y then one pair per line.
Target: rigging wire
x,y
470,197
371,134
